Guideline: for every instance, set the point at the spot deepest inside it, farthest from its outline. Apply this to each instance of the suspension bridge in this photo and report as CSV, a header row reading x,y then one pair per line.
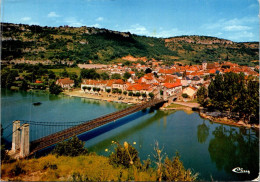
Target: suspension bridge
x,y
21,143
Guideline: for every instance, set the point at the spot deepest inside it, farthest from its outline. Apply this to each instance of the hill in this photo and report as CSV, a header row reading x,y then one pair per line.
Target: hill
x,y
79,45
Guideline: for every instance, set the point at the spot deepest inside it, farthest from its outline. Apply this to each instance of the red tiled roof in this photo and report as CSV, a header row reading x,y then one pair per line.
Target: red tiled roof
x,y
66,81
38,81
172,85
138,87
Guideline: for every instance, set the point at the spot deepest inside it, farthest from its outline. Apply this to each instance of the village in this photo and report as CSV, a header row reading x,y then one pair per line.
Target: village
x,y
177,80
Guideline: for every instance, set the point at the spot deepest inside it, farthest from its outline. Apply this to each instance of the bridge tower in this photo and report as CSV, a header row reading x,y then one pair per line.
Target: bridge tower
x,y
25,144
16,138
20,139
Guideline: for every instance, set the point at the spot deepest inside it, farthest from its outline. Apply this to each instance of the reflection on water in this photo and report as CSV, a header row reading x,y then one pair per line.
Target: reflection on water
x,y
230,148
202,132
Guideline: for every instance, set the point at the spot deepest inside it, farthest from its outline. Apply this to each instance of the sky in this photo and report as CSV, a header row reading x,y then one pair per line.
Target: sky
x,y
236,20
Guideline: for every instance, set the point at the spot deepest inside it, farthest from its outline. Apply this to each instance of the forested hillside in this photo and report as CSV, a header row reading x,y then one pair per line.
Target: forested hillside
x,y
82,44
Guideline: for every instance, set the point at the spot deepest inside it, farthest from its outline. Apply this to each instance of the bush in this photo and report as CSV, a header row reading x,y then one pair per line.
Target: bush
x,y
185,95
55,89
72,147
125,155
17,170
151,95
175,171
130,93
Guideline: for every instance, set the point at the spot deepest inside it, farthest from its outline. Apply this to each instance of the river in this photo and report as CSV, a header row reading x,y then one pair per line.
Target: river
x,y
210,149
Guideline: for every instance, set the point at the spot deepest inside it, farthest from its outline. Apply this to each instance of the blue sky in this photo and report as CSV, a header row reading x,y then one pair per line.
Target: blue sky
x,y
236,20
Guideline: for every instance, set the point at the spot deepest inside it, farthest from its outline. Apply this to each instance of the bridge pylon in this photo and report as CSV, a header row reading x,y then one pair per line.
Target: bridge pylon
x,y
25,144
16,138
20,140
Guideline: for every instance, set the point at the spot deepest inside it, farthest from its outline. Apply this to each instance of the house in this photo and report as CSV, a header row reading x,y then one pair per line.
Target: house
x,y
190,91
172,88
142,88
119,84
148,79
65,83
186,81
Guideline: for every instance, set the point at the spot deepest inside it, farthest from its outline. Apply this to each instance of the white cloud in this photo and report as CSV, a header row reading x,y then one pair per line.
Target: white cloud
x,y
171,33
26,18
242,36
95,25
137,29
236,28
53,15
100,19
235,24
73,22
160,33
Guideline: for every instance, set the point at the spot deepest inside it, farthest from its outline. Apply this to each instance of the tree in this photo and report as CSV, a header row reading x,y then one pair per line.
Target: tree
x,y
64,74
108,90
137,94
175,171
148,70
125,92
120,91
25,85
89,74
127,75
73,76
130,93
151,95
125,155
139,74
114,91
104,76
116,76
144,95
202,95
55,89
84,88
184,95
51,74
72,147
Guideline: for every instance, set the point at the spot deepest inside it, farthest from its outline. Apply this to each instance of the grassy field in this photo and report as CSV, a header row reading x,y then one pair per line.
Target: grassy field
x,y
177,106
69,70
52,168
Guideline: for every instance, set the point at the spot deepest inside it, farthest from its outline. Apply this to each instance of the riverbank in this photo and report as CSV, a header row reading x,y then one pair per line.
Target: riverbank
x,y
188,106
119,98
227,121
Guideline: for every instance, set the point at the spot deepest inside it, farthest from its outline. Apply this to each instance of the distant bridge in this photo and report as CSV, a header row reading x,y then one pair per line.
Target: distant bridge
x,y
56,137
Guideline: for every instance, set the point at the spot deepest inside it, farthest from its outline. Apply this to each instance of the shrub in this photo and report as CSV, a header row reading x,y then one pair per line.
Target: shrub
x,y
185,95
71,147
151,95
175,171
55,89
17,170
125,155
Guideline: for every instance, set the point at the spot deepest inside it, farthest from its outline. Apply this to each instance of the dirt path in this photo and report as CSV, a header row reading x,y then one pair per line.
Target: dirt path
x,y
188,104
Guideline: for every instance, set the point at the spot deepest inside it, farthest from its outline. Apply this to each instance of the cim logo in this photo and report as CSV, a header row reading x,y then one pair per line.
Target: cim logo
x,y
240,170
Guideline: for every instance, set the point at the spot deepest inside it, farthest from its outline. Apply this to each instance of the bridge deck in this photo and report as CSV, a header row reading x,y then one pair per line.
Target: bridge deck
x,y
89,125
